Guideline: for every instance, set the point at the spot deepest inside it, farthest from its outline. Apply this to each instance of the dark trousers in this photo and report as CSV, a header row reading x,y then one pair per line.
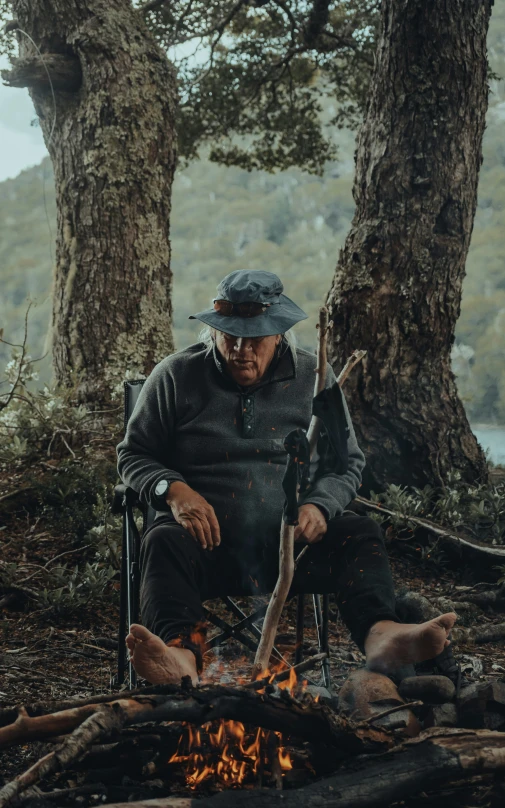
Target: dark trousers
x,y
178,575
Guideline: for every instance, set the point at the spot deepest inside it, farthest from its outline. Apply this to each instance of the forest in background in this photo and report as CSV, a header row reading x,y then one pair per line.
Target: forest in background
x,y
291,223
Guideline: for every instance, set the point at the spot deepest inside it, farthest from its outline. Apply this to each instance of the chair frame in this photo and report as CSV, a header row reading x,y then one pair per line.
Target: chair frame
x,y
125,502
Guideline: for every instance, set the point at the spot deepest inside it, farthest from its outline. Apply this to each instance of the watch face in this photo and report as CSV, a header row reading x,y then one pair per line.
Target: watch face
x,y
161,488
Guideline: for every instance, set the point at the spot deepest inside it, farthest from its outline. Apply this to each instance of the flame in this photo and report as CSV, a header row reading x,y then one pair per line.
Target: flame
x,y
224,752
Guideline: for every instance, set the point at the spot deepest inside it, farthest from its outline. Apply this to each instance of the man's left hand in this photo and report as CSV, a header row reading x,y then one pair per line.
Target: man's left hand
x,y
311,524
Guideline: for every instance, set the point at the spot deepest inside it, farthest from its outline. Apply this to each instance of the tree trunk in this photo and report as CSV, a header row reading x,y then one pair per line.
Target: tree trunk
x,y
112,146
397,287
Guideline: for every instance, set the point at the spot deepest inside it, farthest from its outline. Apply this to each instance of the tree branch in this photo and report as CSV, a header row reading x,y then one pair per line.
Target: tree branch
x,y
309,720
318,17
65,72
456,539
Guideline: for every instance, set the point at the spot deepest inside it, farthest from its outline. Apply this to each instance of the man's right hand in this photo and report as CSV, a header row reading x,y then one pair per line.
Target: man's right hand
x,y
194,514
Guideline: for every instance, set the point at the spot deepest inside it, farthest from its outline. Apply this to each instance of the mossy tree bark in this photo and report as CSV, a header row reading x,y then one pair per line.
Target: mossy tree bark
x,y
112,146
397,287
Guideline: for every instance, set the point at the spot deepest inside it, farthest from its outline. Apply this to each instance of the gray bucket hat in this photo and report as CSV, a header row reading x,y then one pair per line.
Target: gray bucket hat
x,y
251,286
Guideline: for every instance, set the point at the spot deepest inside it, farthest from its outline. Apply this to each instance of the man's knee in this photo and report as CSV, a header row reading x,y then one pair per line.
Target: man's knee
x,y
353,526
162,540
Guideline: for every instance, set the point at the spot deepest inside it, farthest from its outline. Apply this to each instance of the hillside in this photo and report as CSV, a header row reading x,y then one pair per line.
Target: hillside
x,y
291,223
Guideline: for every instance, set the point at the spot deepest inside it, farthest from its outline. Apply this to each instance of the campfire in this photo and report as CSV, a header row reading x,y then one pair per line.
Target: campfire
x,y
225,753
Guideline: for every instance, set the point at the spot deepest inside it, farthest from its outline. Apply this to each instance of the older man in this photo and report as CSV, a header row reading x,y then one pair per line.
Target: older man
x,y
204,447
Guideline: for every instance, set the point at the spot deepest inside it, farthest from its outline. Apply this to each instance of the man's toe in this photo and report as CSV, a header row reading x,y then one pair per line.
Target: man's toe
x,y
139,632
446,621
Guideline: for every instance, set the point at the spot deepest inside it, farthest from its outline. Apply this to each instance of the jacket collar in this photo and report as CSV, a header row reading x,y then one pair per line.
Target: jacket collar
x,y
282,369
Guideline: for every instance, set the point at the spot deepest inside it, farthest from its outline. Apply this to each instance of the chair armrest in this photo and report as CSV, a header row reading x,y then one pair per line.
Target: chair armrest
x,y
122,496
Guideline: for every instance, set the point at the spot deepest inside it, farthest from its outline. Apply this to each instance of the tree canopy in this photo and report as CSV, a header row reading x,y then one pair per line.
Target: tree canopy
x,y
254,75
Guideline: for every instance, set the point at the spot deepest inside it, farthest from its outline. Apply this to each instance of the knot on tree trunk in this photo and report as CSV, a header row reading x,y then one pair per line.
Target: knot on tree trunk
x,y
63,71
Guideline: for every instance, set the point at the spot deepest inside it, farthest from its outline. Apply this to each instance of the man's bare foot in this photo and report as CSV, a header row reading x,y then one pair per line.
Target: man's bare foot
x,y
160,664
390,645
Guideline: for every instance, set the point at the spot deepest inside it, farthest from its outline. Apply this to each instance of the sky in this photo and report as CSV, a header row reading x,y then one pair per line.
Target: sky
x,y
21,142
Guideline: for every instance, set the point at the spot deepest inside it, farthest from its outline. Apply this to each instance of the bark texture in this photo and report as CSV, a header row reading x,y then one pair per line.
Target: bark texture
x,y
397,287
113,151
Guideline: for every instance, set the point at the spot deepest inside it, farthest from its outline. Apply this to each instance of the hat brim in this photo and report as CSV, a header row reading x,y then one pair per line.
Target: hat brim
x,y
277,319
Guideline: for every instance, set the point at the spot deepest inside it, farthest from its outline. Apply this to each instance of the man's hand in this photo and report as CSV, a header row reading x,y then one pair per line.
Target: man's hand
x,y
194,514
311,524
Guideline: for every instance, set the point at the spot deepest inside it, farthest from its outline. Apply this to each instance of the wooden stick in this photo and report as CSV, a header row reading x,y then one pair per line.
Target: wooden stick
x,y
277,601
396,709
456,539
99,723
322,361
287,543
353,360
312,721
302,667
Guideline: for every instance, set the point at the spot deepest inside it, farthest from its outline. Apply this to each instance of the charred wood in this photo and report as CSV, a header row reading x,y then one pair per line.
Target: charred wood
x,y
282,713
435,758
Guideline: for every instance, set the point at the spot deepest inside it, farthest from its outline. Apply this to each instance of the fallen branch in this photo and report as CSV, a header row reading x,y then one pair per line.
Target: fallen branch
x,y
455,539
99,723
15,491
310,720
487,598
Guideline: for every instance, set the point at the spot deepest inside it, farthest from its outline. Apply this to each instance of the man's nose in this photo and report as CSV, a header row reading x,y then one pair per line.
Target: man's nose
x,y
242,344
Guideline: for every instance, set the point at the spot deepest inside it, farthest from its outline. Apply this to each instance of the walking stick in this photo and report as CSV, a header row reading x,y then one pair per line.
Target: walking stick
x,y
297,473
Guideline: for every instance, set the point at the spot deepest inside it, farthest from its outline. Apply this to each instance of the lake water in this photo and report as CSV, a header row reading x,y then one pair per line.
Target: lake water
x,y
492,438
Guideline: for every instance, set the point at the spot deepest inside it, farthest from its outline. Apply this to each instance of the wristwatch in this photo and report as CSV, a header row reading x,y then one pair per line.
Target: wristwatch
x,y
160,494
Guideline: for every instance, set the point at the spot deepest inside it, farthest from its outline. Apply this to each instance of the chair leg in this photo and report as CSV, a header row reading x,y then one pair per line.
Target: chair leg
x,y
123,610
321,617
237,611
132,560
300,616
325,642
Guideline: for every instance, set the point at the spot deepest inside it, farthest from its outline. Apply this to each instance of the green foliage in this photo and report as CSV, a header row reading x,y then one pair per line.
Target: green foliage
x,y
253,76
68,590
38,425
67,499
72,498
8,572
257,88
477,511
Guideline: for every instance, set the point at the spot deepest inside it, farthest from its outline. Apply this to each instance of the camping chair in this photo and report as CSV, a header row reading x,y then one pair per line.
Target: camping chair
x,y
245,631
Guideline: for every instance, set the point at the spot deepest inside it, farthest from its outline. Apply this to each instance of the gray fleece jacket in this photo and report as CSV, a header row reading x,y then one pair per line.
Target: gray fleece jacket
x,y
193,423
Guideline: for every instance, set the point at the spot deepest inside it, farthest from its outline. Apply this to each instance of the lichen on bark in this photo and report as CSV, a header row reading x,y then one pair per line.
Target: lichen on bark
x,y
113,153
397,286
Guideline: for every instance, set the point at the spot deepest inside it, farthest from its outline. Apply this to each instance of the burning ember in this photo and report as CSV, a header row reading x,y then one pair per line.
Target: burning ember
x,y
222,751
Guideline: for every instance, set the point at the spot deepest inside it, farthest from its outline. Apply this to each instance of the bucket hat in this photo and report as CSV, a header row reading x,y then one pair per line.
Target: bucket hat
x,y
250,303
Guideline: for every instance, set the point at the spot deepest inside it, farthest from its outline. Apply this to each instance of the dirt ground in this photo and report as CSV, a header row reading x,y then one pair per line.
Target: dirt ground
x,y
43,658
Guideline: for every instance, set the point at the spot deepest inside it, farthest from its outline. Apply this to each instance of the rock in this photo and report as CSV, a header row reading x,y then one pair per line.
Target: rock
x,y
431,689
482,706
442,715
365,694
471,666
